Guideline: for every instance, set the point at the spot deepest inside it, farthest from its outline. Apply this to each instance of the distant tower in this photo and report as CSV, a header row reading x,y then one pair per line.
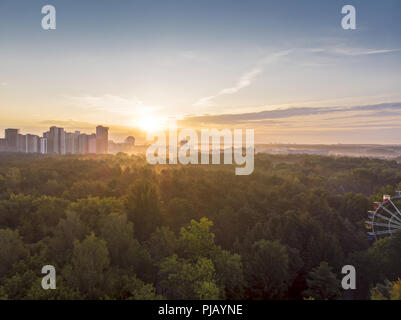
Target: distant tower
x,y
102,140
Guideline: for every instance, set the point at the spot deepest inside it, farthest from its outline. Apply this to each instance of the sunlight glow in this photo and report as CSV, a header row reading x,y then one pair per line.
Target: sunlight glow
x,y
150,123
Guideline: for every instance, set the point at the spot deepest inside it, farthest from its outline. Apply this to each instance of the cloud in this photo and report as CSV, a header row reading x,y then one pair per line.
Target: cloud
x,y
249,76
245,80
360,51
285,113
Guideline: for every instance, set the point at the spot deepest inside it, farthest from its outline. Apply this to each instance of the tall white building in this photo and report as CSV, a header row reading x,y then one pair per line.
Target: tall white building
x,y
32,142
43,145
22,143
56,141
92,143
83,143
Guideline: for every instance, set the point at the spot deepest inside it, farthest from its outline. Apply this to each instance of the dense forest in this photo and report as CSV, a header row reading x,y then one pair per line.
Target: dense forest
x,y
115,227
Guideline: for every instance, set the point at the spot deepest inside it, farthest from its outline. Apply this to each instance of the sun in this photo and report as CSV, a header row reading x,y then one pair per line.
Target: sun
x,y
150,123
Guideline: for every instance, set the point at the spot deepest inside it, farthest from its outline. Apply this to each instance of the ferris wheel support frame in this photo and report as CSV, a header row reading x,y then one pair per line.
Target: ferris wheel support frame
x,y
383,217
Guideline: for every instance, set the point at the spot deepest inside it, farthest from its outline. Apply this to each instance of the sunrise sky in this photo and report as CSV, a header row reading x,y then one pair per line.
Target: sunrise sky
x,y
285,68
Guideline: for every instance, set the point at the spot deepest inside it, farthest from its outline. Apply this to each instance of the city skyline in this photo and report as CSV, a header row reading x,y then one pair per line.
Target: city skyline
x,y
286,69
56,141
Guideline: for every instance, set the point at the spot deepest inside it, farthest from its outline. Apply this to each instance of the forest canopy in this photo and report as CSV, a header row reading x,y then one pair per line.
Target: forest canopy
x,y
115,227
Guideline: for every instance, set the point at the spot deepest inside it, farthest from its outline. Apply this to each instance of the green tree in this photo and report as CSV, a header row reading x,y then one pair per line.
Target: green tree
x,y
207,290
89,263
387,291
125,251
13,180
119,236
93,209
182,279
12,249
196,240
15,209
43,219
143,208
162,243
269,270
229,273
68,230
62,291
322,283
124,287
179,213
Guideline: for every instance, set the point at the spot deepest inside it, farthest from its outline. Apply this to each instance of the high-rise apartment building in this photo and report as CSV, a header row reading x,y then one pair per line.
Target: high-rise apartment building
x,y
56,141
102,140
32,143
83,143
76,142
61,141
69,142
22,143
3,145
92,140
11,136
43,145
52,142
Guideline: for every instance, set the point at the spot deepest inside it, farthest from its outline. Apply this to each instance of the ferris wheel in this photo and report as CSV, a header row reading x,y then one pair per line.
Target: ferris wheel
x,y
386,217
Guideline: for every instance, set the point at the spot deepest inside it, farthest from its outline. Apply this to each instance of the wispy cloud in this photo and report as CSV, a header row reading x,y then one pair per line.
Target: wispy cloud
x,y
354,52
285,113
245,80
249,76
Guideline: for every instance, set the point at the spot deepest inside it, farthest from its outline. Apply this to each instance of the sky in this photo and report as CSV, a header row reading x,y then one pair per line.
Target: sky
x,y
285,68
